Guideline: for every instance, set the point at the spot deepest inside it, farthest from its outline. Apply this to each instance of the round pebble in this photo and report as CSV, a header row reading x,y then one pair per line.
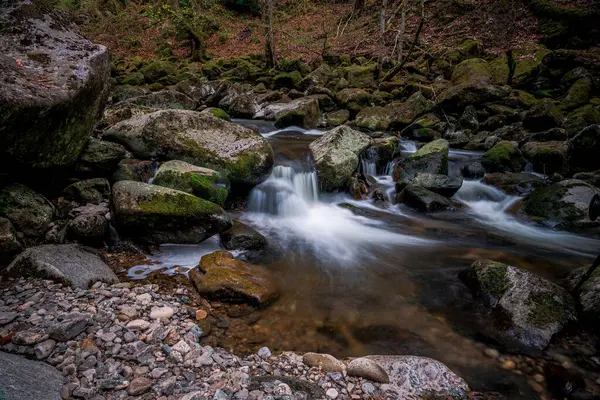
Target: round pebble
x,y
332,393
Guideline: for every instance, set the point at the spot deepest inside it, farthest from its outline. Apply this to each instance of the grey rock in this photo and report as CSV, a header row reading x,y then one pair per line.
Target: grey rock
x,y
441,184
422,199
66,263
7,317
69,326
9,243
93,191
99,157
44,349
28,211
16,379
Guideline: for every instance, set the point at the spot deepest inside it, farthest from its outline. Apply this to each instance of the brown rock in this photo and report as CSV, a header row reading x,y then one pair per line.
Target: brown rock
x,y
326,362
139,386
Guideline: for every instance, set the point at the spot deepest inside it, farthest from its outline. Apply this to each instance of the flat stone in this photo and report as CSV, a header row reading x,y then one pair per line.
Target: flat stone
x,y
139,386
7,317
44,349
138,325
18,374
69,327
162,312
326,362
28,338
368,369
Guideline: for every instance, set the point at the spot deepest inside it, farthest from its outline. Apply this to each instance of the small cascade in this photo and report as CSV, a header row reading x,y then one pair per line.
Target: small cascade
x,y
389,168
367,165
408,146
287,192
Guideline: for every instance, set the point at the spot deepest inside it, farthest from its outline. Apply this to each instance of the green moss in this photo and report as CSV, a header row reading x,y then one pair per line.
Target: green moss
x,y
543,94
437,146
528,63
220,113
203,186
242,168
501,151
212,70
495,279
157,69
546,204
178,204
360,76
289,80
472,70
546,310
579,94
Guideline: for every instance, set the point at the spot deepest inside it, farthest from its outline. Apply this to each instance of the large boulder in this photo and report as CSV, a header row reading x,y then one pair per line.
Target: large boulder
x,y
415,378
9,243
244,155
70,264
585,147
201,182
526,310
423,199
162,99
543,116
53,86
563,205
219,276
99,157
374,118
431,158
441,184
154,214
336,156
547,157
16,375
505,156
303,112
29,212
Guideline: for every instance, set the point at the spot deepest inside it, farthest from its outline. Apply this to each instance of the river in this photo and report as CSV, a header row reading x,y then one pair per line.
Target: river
x,y
384,278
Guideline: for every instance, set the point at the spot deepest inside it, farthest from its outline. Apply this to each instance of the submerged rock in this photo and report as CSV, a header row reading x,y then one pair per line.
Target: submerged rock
x,y
505,156
70,264
423,199
29,211
201,182
526,310
157,215
199,139
242,237
563,205
219,276
336,156
53,86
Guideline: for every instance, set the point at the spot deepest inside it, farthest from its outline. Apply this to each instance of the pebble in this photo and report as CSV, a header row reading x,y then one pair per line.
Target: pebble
x,y
264,352
162,312
508,365
332,393
539,378
139,386
138,325
491,353
201,314
44,349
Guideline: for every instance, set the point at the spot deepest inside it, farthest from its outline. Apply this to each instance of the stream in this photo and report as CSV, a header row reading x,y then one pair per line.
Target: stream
x,y
384,278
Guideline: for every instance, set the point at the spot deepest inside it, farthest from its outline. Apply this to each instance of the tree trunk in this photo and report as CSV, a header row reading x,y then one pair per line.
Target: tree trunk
x,y
382,47
267,11
358,6
196,51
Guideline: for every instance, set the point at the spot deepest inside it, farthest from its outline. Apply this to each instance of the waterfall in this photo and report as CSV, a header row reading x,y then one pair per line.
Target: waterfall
x,y
287,192
408,146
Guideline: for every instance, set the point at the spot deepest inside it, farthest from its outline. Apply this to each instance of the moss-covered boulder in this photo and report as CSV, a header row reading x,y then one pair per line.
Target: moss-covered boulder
x,y
424,129
431,158
348,96
242,237
243,71
562,205
212,69
201,182
163,99
336,156
423,199
240,153
547,157
124,92
336,118
359,76
581,118
528,63
304,112
28,211
99,158
579,94
585,148
526,310
326,102
94,191
500,70
505,156
217,112
518,183
519,99
53,86
543,116
441,184
219,276
374,118
155,215
157,70
403,113
132,78
290,80
320,77
135,170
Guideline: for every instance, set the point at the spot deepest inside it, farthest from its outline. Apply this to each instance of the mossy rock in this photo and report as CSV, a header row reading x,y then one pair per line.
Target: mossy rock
x,y
99,157
217,112
156,215
422,199
157,69
360,76
581,118
303,112
500,70
374,118
290,80
547,157
579,94
542,116
134,78
337,118
212,70
505,156
520,99
403,114
244,71
358,96
472,70
242,237
28,211
525,311
528,62
201,182
431,158
562,205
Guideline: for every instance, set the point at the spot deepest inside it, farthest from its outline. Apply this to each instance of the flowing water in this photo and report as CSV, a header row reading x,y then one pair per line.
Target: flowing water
x,y
384,278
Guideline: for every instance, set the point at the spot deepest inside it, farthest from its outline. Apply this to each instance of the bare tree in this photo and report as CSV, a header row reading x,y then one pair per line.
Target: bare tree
x,y
382,30
267,15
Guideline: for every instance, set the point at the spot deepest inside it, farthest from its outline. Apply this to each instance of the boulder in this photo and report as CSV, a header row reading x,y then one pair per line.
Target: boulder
x,y
415,378
123,111
217,112
348,96
156,215
519,183
320,77
135,170
554,134
528,61
335,154
219,276
526,310
89,225
93,191
303,112
361,76
162,99
157,70
374,118
28,211
585,147
326,362
562,205
70,264
53,86
423,199
9,244
403,114
244,155
581,118
505,156
337,118
431,158
547,157
124,92
543,116
589,294
201,182
99,158
441,184
242,237
16,375
472,170
579,94
289,80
